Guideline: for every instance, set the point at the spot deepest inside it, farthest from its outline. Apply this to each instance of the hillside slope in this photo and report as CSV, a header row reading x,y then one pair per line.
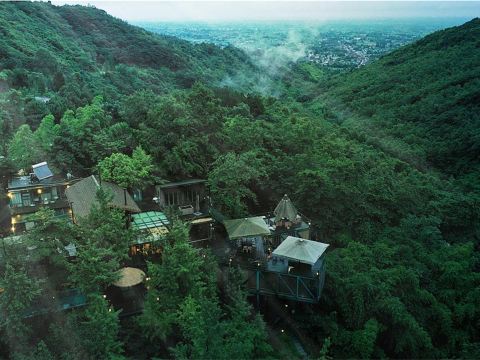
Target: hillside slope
x,y
421,102
70,53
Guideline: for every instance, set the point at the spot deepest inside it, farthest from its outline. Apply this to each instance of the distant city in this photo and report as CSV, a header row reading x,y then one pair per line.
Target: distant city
x,y
335,45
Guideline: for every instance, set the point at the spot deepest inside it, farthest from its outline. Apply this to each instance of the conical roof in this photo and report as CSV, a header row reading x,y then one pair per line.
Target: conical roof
x,y
285,210
298,249
246,227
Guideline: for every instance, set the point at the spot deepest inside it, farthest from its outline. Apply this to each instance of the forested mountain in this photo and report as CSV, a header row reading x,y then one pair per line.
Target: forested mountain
x,y
403,266
420,102
72,53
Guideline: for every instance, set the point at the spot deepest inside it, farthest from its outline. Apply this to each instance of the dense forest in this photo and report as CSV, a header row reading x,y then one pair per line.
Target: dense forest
x,y
426,114
384,160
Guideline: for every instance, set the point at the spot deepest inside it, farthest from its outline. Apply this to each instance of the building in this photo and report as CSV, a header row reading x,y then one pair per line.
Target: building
x,y
276,255
188,196
249,236
82,196
295,270
41,188
152,228
287,221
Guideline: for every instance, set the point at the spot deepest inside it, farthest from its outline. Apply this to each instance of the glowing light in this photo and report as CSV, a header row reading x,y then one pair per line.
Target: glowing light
x,y
283,331
39,191
10,195
104,296
13,229
286,305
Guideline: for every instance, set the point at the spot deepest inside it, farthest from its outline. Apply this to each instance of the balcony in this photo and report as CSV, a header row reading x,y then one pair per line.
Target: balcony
x,y
60,203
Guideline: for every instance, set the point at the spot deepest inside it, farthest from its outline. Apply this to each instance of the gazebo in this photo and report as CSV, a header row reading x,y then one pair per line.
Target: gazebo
x,y
246,227
129,277
128,292
248,233
285,211
299,255
287,221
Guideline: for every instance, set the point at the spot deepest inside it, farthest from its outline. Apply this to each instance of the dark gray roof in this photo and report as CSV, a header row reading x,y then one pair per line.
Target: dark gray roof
x,y
182,183
83,195
42,176
285,210
21,182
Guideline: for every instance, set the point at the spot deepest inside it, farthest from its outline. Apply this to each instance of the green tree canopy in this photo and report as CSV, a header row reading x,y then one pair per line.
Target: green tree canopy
x,y
24,150
231,179
128,172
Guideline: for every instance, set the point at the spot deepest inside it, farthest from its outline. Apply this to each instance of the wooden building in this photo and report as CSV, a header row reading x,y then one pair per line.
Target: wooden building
x,y
83,195
276,255
152,228
41,188
188,196
287,221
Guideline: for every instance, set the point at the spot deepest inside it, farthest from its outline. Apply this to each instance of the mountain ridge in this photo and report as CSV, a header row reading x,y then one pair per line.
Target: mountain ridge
x,y
423,97
76,52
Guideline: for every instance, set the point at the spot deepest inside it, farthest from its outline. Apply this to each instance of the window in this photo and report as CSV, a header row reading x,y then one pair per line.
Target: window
x,y
26,201
173,198
137,195
46,197
15,199
54,193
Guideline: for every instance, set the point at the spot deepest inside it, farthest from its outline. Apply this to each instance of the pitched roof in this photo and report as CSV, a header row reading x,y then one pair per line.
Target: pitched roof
x,y
285,210
304,251
83,195
246,227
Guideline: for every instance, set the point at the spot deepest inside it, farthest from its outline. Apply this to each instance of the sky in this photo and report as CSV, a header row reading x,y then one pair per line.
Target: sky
x,y
133,11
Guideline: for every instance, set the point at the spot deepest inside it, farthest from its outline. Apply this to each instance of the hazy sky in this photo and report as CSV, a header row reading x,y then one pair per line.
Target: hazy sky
x,y
280,10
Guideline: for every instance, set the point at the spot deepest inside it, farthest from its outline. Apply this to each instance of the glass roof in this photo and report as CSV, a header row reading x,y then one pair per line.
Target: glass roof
x,y
149,220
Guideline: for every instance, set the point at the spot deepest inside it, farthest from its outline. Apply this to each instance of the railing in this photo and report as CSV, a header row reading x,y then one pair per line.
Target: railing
x,y
294,287
36,205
